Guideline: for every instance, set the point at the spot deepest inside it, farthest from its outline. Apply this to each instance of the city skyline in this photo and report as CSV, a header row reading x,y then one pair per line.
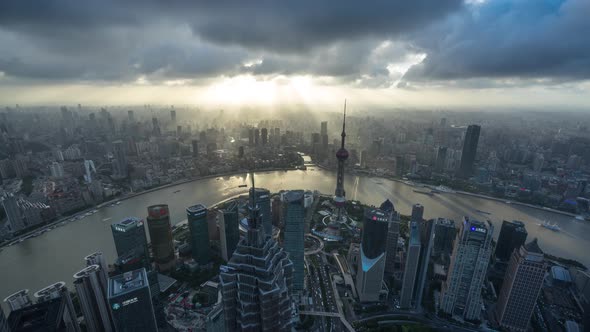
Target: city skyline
x,y
386,55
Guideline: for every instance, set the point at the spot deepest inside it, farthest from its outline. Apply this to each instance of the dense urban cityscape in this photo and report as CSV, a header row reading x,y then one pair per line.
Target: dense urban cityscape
x,y
321,166
296,259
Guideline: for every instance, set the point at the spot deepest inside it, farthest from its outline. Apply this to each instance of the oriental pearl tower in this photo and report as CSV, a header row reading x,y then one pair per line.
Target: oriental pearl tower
x,y
340,194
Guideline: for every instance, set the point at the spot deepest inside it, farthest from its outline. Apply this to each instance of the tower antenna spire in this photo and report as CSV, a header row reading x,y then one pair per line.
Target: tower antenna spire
x,y
343,126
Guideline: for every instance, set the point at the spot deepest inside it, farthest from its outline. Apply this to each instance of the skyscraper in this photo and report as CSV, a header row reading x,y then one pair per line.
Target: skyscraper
x,y
417,212
91,291
130,117
342,156
263,201
129,236
60,291
521,287
512,235
444,234
369,275
18,300
161,236
256,283
294,216
392,237
426,241
461,293
120,162
441,159
229,230
3,322
197,224
130,301
256,136
195,145
264,136
407,297
469,151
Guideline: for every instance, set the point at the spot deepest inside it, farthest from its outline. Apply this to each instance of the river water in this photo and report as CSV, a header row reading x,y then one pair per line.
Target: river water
x,y
57,255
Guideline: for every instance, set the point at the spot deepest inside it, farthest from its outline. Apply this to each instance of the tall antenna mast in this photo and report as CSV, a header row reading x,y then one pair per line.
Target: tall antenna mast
x,y
343,127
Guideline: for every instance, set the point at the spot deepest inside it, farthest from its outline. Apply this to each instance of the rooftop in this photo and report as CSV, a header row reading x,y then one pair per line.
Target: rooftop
x,y
533,247
127,282
197,208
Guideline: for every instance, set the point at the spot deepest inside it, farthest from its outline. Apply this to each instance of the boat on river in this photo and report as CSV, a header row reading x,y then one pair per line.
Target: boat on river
x,y
483,212
553,227
429,193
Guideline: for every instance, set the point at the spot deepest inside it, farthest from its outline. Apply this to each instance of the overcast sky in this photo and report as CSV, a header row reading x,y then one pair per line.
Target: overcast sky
x,y
440,54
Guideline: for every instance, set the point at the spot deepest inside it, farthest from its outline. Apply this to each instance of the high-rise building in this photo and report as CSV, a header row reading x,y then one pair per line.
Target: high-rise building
x,y
256,283
15,219
256,137
91,291
56,169
294,216
173,116
195,145
512,235
60,291
461,293
199,230
342,156
263,201
43,316
120,162
97,258
417,212
521,287
160,230
469,151
392,237
229,230
409,281
264,136
369,276
444,235
129,236
441,159
18,300
276,211
130,117
130,301
426,240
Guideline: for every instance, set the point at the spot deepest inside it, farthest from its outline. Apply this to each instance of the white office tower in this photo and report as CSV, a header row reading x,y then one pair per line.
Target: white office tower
x,y
56,169
256,283
97,258
369,276
92,296
56,291
461,293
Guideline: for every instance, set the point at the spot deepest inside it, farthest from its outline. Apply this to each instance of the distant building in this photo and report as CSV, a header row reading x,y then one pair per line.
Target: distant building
x,y
441,159
521,287
56,169
461,293
263,201
294,243
512,235
130,302
264,136
444,235
407,298
13,214
92,289
469,151
417,212
120,162
199,232
369,276
161,236
256,283
195,146
229,230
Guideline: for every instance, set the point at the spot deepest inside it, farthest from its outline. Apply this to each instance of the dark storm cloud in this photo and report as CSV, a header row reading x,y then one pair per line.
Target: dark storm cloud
x,y
529,40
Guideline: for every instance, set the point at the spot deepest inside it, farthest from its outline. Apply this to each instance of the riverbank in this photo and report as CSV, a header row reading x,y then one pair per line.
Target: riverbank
x,y
466,193
127,196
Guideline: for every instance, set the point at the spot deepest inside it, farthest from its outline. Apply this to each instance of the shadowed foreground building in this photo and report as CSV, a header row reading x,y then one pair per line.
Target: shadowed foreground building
x,y
369,276
199,230
512,235
130,301
229,230
256,283
521,287
294,234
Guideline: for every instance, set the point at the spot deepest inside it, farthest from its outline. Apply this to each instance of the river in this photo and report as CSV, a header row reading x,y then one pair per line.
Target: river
x,y
57,255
